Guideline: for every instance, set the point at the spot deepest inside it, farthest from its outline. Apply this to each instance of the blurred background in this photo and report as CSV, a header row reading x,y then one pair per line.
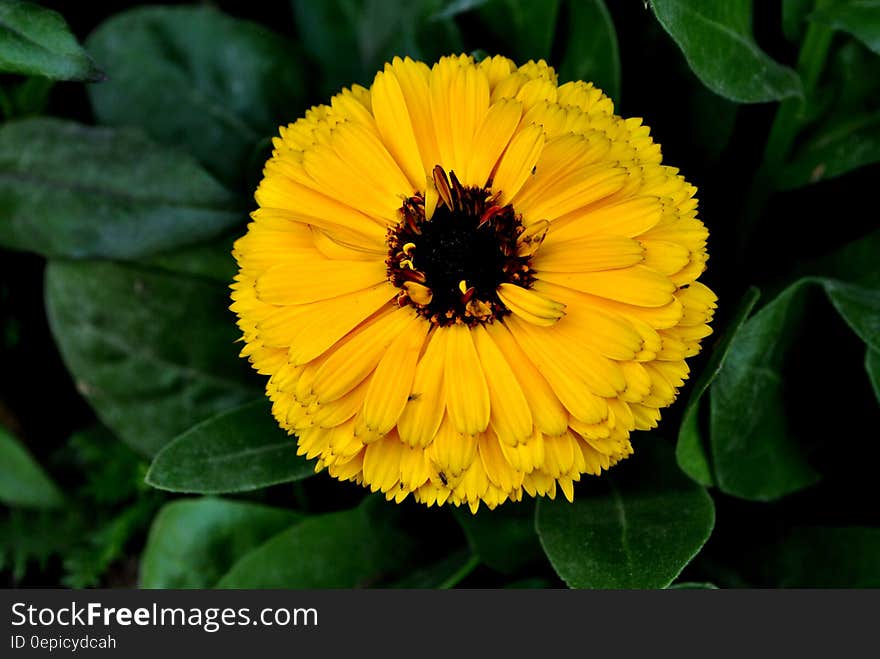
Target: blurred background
x,y
795,506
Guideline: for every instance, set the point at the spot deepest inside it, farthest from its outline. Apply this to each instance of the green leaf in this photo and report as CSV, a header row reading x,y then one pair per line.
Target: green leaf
x,y
347,549
872,365
193,542
591,52
860,18
717,41
211,260
372,32
846,121
794,16
691,450
37,41
755,455
529,26
78,191
825,557
854,84
455,7
858,306
198,79
154,353
636,527
504,538
845,145
236,451
22,481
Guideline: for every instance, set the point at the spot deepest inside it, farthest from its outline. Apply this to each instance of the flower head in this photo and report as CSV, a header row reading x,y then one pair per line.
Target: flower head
x,y
468,282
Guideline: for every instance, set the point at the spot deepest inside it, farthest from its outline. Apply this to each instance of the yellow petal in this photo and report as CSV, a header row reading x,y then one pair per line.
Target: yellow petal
x,y
535,91
395,126
469,104
414,78
353,105
636,285
589,255
525,457
382,464
498,469
496,68
472,487
646,417
451,452
586,97
415,469
467,396
357,354
509,410
548,414
628,218
261,248
333,246
600,374
335,317
343,444
311,278
699,304
283,201
517,163
490,141
582,187
638,382
424,409
611,333
559,455
358,170
441,77
341,410
391,383
565,379
279,326
530,305
566,156
665,257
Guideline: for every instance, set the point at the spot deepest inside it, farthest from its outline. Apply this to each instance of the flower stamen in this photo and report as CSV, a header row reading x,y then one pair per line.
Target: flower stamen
x,y
461,255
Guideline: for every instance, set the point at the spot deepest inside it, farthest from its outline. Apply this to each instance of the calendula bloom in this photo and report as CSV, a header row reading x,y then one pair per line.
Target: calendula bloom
x,y
468,282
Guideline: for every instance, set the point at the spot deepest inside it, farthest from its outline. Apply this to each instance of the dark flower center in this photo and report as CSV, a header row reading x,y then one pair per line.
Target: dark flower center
x,y
450,266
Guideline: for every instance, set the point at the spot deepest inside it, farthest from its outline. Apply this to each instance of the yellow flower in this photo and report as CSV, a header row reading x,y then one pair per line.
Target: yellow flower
x,y
468,282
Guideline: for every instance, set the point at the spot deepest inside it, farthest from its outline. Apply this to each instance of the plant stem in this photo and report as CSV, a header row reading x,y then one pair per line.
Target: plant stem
x,y
790,119
461,573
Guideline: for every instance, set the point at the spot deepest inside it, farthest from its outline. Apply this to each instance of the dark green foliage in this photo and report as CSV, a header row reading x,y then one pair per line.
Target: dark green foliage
x,y
68,190
167,75
147,380
120,201
636,528
242,449
37,41
105,513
